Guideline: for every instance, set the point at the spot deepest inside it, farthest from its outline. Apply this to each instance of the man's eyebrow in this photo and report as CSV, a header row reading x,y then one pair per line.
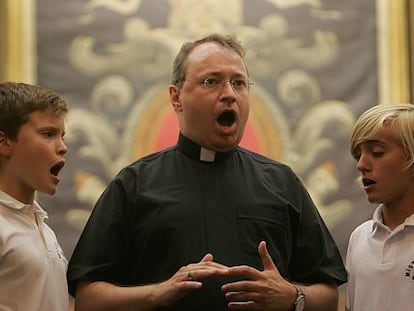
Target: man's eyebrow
x,y
219,73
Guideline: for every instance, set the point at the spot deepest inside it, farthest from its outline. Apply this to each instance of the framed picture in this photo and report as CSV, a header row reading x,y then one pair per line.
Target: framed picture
x,y
315,65
111,60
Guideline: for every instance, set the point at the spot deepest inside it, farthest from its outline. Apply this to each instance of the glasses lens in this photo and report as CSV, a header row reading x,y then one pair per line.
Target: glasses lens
x,y
239,84
211,83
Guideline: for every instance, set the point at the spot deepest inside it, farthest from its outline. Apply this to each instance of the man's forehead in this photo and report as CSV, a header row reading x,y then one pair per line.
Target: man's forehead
x,y
214,56
206,49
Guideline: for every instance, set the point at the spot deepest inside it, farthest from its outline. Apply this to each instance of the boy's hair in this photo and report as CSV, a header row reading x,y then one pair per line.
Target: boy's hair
x,y
180,61
398,117
19,100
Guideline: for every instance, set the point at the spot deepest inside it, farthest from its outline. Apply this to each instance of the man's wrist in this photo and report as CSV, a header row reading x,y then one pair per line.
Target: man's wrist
x,y
299,303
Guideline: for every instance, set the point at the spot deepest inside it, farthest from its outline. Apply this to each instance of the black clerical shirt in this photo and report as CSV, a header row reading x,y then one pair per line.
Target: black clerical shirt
x,y
171,208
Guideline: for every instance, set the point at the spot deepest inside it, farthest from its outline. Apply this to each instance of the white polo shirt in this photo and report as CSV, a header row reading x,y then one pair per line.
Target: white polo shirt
x,y
32,264
380,266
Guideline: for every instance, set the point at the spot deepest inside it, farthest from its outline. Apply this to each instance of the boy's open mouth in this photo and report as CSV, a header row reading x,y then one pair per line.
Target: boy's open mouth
x,y
57,168
367,182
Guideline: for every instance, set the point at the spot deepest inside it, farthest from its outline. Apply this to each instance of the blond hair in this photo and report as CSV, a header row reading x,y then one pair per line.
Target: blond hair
x,y
397,117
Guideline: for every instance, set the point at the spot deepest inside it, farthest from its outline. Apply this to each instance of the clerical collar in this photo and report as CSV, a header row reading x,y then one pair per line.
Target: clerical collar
x,y
194,151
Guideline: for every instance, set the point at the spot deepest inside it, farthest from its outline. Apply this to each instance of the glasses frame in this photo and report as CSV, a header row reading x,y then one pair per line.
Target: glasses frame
x,y
219,84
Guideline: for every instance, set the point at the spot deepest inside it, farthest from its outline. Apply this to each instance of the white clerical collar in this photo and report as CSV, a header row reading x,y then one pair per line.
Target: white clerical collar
x,y
207,155
196,152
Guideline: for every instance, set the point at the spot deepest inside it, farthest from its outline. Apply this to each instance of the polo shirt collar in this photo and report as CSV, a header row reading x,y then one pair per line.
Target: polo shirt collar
x,y
378,221
196,152
12,203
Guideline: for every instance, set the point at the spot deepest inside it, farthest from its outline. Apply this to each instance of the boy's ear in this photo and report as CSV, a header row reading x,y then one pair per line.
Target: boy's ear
x,y
5,146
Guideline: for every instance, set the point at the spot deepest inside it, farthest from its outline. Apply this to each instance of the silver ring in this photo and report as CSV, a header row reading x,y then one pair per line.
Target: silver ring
x,y
189,276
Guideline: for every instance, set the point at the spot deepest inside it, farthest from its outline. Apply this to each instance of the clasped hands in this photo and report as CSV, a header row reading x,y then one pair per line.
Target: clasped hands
x,y
263,290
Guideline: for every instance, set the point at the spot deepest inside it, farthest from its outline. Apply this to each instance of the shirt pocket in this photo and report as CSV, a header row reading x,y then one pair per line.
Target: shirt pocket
x,y
270,223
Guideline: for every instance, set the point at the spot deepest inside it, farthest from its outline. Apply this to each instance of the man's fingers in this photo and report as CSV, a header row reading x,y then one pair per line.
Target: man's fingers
x,y
207,257
267,261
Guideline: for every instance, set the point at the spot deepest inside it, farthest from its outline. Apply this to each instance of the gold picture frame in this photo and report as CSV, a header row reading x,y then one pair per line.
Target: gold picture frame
x,y
18,40
394,56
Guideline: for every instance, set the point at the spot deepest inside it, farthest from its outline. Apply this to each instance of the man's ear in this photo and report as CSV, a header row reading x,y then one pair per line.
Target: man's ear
x,y
5,146
175,98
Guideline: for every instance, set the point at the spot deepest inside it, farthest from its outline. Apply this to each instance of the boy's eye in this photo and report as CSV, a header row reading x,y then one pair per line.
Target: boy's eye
x,y
377,151
47,134
377,154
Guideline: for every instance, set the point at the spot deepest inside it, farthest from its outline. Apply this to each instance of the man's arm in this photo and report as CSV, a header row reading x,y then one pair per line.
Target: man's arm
x,y
98,295
321,297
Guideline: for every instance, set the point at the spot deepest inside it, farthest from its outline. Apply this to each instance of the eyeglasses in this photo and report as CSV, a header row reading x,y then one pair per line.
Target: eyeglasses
x,y
214,84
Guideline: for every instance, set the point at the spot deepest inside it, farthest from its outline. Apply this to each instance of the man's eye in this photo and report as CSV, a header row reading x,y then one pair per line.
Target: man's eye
x,y
210,82
239,83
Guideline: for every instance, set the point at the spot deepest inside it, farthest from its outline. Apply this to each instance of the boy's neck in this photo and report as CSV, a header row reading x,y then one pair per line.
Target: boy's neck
x,y
395,214
25,198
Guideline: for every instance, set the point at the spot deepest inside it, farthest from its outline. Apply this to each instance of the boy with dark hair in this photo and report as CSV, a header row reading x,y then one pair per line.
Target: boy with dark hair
x,y
32,265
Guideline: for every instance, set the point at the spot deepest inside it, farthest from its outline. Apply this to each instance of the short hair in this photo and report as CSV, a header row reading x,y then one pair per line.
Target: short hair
x,y
18,100
398,117
180,61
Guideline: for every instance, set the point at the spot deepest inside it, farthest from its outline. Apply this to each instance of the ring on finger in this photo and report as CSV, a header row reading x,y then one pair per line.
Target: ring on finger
x,y
189,275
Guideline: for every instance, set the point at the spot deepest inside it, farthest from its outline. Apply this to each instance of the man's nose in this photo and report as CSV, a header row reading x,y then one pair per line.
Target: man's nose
x,y
228,93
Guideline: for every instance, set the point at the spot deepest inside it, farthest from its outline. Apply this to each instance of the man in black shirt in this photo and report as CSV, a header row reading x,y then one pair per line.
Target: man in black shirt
x,y
206,224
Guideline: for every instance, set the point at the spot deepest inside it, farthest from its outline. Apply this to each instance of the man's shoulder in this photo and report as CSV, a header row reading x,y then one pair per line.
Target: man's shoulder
x,y
261,159
154,158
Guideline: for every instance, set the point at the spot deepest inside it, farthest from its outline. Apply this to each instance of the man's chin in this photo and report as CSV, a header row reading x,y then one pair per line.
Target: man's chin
x,y
226,145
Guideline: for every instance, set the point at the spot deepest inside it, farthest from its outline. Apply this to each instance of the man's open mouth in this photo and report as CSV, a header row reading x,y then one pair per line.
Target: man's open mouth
x,y
226,118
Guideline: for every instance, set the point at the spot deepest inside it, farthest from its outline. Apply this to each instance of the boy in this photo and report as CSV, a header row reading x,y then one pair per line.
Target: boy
x,y
380,257
32,265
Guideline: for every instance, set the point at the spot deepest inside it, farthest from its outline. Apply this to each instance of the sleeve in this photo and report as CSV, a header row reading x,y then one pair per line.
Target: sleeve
x,y
315,256
100,253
